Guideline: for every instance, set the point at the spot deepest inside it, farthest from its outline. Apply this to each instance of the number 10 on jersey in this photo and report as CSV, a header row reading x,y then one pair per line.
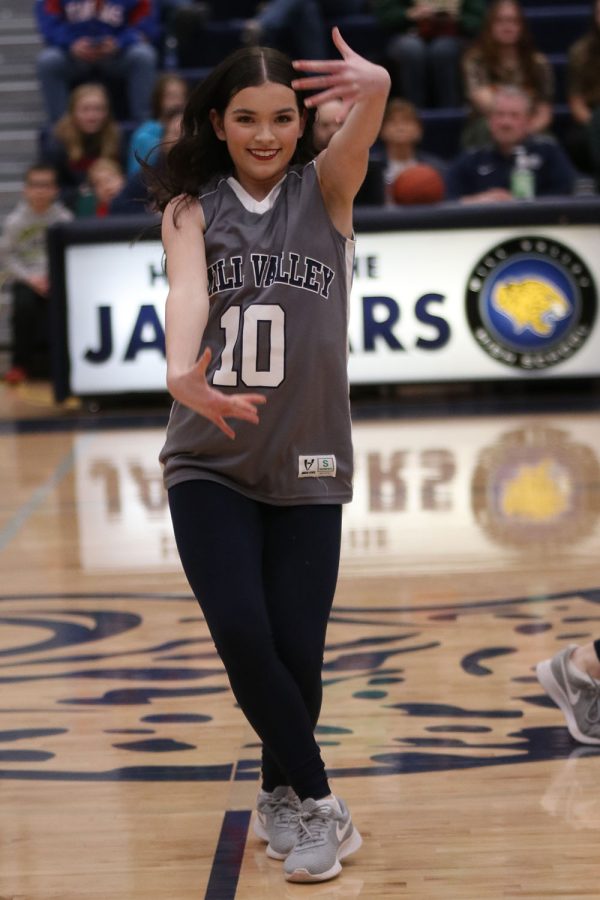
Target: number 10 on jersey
x,y
254,321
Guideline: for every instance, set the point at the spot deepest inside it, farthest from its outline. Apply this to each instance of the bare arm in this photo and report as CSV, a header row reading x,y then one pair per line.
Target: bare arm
x,y
186,318
482,99
342,166
541,117
492,195
187,300
579,109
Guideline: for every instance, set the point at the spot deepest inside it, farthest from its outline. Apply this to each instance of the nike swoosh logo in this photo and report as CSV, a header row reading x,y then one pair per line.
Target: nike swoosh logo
x,y
485,170
341,832
573,696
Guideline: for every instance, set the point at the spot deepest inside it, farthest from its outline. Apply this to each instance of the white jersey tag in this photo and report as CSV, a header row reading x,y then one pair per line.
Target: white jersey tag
x,y
316,466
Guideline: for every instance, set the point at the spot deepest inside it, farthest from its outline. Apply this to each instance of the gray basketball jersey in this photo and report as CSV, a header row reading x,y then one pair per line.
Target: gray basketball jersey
x,y
278,281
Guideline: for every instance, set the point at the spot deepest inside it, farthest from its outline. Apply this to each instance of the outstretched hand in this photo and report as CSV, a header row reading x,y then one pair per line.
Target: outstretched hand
x,y
193,390
351,78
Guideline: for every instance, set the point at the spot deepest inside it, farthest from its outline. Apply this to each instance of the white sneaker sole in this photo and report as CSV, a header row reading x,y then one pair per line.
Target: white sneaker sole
x,y
553,689
350,845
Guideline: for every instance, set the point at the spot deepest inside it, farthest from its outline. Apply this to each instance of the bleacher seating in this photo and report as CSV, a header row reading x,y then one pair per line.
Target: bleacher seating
x,y
555,26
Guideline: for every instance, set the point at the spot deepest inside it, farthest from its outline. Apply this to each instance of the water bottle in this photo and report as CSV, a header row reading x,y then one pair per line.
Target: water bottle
x,y
522,179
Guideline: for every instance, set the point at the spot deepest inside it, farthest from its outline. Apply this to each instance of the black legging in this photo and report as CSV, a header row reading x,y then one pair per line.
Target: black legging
x,y
265,578
30,330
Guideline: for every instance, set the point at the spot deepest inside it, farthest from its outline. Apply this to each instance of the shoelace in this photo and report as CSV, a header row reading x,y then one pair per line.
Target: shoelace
x,y
313,826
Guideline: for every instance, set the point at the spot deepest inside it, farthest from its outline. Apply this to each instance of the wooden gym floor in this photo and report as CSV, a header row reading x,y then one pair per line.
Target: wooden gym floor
x,y
471,551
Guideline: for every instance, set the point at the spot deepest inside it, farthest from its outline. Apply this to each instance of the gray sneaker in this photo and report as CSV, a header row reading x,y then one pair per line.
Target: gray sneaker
x,y
324,838
578,698
276,821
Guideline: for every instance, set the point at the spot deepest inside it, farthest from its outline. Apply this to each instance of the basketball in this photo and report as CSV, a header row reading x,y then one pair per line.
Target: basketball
x,y
418,184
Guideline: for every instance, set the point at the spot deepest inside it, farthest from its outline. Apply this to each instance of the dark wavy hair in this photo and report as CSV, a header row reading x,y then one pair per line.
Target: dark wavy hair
x,y
591,53
525,48
199,155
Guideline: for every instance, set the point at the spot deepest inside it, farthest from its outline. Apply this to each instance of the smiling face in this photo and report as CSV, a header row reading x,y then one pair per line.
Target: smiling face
x,y
90,109
261,126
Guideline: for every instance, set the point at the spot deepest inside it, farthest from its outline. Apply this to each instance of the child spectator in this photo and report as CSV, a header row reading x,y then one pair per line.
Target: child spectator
x,y
169,95
583,142
26,262
329,118
504,54
133,198
401,132
86,132
106,180
97,41
425,48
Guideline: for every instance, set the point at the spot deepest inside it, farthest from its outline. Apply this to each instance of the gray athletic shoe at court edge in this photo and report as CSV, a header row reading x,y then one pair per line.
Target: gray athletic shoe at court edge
x,y
578,698
276,820
325,836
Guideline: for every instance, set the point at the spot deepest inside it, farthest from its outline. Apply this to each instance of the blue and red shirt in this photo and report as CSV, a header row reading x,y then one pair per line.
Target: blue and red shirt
x,y
62,22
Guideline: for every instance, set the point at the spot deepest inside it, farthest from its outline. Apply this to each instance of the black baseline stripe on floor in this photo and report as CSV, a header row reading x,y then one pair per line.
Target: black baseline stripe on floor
x,y
227,862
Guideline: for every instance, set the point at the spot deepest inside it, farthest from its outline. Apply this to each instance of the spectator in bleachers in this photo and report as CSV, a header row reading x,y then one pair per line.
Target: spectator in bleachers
x,y
504,54
329,118
105,180
84,133
97,41
169,96
583,141
487,174
298,27
187,26
25,260
401,133
424,52
133,198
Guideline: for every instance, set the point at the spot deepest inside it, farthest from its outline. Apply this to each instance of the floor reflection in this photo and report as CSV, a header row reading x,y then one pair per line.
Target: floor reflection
x,y
467,491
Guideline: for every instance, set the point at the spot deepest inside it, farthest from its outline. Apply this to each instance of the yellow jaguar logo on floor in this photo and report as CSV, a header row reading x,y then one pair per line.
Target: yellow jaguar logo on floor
x,y
532,304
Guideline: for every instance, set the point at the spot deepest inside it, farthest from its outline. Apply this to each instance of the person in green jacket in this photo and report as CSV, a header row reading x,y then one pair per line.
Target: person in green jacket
x,y
426,43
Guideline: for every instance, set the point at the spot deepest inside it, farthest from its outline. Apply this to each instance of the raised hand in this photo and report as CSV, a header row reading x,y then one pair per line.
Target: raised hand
x,y
193,390
351,78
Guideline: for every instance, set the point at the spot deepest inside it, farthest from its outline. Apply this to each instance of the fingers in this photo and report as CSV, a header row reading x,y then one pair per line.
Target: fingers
x,y
225,428
238,406
316,81
347,93
328,65
204,361
242,408
318,65
344,48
